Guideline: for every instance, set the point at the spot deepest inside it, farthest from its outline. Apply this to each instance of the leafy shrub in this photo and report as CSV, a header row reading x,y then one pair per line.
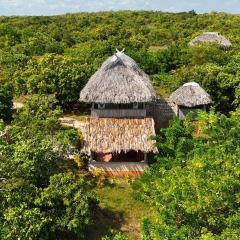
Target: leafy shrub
x,y
99,175
115,236
194,185
6,102
39,200
52,74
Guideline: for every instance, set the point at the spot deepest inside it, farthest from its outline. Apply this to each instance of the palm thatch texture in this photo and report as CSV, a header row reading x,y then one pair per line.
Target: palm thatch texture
x,y
190,95
211,37
116,135
119,80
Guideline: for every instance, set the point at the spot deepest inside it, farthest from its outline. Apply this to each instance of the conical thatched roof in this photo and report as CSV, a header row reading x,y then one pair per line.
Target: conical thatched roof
x,y
119,80
190,95
211,37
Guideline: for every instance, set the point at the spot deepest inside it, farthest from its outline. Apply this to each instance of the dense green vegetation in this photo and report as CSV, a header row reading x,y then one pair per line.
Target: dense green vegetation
x,y
58,54
6,102
194,184
192,187
41,197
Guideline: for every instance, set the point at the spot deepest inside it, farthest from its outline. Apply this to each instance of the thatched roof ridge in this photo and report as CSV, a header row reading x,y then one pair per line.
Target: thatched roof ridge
x,y
116,135
190,95
119,80
211,37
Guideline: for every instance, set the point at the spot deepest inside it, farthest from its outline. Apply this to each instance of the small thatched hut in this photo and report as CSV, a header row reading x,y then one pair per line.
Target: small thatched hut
x,y
211,37
118,129
190,97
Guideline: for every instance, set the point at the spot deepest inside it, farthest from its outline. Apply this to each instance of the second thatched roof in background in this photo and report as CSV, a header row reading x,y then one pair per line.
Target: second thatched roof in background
x,y
119,80
211,37
190,95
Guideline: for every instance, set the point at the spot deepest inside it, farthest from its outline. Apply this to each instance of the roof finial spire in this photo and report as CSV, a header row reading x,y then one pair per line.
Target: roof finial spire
x,y
122,51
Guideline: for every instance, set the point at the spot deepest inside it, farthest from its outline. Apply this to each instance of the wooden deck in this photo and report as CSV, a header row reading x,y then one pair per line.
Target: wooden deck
x,y
119,168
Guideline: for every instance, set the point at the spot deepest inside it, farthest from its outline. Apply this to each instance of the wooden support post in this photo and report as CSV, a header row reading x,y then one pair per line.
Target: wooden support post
x,y
144,105
91,156
145,157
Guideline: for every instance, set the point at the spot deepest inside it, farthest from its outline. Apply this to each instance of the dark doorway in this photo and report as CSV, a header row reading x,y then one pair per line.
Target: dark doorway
x,y
131,156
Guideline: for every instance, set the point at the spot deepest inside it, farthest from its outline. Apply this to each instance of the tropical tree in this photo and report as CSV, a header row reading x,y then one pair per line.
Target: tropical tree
x,y
39,198
52,74
194,184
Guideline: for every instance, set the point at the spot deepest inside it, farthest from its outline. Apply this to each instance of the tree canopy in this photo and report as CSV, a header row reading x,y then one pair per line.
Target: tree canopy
x,y
6,102
194,183
40,198
58,54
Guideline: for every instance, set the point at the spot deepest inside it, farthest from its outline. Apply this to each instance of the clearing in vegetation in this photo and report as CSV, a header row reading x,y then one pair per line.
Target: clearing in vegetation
x,y
119,210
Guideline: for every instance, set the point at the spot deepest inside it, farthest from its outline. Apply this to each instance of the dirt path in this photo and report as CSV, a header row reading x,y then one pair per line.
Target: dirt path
x,y
65,121
70,122
17,105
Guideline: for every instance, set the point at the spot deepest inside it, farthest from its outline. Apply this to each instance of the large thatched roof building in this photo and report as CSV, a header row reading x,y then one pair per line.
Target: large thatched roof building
x,y
118,129
188,97
119,80
211,37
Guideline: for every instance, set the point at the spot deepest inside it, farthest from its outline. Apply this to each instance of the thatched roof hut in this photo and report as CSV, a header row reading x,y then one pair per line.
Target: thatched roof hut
x,y
118,81
190,95
116,135
211,37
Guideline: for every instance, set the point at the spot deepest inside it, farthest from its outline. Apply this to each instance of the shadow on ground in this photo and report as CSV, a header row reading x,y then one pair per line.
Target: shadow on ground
x,y
105,220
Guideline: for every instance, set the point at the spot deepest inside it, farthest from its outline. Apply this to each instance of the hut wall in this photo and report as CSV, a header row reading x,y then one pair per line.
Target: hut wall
x,y
183,111
162,112
119,113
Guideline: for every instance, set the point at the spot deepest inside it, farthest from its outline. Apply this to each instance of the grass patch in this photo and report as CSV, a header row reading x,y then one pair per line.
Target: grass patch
x,y
118,211
157,48
162,92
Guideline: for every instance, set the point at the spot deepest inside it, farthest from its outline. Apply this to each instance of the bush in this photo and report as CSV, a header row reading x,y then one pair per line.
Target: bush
x,y
39,200
115,236
52,74
194,186
6,102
